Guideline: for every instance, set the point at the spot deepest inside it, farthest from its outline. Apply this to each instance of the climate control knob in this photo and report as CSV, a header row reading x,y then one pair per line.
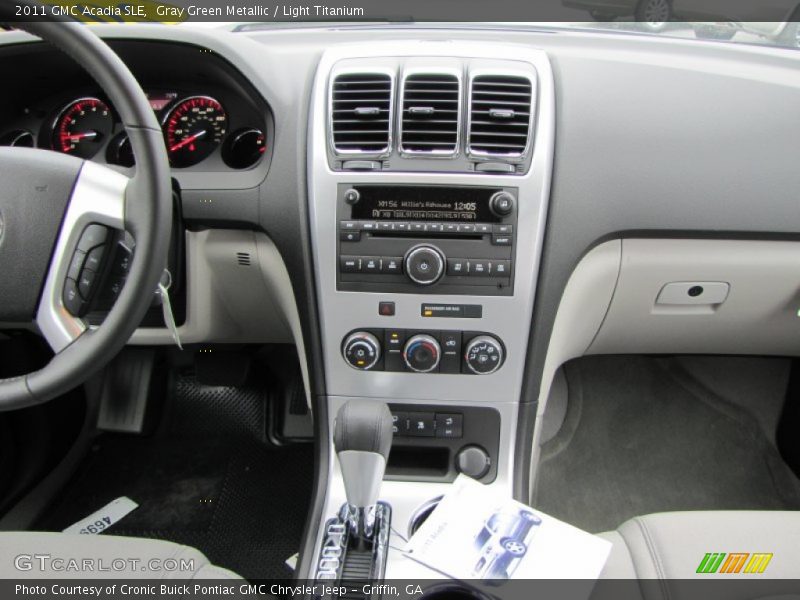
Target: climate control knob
x,y
422,353
483,355
361,350
424,264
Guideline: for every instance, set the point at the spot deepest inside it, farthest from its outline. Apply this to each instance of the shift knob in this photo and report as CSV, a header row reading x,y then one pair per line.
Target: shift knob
x,y
362,436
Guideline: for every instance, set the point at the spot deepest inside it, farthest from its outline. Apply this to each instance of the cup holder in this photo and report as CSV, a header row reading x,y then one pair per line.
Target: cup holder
x,y
422,514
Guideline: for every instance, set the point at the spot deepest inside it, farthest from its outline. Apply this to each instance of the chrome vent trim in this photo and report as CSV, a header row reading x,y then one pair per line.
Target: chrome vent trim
x,y
502,112
430,117
361,113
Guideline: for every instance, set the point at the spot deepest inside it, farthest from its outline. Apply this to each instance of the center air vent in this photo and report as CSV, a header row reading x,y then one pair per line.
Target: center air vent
x,y
361,105
430,114
500,116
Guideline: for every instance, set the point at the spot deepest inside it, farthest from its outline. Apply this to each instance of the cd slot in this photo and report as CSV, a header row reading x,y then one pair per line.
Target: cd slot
x,y
411,234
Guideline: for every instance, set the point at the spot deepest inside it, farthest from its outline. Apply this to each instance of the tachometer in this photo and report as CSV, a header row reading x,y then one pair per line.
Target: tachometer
x,y
194,127
82,127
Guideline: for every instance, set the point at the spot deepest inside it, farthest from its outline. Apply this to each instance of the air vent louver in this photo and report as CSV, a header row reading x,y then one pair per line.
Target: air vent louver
x,y
430,114
500,115
362,112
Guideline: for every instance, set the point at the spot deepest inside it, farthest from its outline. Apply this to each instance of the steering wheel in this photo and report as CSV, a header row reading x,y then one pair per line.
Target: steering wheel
x,y
50,203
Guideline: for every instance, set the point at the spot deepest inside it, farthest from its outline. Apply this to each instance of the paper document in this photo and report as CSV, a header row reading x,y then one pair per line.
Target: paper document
x,y
476,534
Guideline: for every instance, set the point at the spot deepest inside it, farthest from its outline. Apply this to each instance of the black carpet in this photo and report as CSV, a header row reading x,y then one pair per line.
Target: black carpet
x,y
641,436
239,500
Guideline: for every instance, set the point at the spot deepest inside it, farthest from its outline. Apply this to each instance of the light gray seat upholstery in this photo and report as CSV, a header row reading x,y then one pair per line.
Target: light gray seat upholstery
x,y
673,545
37,555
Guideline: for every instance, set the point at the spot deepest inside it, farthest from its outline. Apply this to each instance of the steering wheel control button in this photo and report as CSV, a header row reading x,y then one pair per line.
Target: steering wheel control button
x,y
473,461
449,426
501,204
73,302
386,309
86,283
422,353
483,355
93,236
361,350
94,259
424,264
75,265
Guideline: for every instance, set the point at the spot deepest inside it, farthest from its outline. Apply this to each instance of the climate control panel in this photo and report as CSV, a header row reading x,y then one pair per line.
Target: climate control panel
x,y
411,351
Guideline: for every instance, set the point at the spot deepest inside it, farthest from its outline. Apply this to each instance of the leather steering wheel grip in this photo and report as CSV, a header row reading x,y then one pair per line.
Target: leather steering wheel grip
x,y
148,217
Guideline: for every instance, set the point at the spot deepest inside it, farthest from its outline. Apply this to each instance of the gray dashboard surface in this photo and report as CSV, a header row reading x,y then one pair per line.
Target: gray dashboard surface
x,y
654,136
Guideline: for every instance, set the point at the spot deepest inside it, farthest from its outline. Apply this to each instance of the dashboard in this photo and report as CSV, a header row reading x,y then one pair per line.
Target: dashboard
x,y
442,254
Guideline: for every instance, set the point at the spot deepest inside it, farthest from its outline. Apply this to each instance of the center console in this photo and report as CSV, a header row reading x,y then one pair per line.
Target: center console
x,y
429,170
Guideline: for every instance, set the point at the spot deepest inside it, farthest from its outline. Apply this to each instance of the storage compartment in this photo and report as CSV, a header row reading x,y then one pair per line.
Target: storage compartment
x,y
411,461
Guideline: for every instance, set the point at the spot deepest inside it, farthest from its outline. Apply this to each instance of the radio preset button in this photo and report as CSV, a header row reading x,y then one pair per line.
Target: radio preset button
x,y
392,265
385,225
371,265
457,266
451,227
483,228
402,227
466,227
501,268
350,264
424,264
434,227
418,227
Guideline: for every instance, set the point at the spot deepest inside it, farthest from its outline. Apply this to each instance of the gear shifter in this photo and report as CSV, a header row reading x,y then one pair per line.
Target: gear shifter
x,y
362,437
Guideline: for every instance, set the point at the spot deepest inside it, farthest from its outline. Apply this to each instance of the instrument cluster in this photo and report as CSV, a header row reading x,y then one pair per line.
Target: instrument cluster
x,y
197,129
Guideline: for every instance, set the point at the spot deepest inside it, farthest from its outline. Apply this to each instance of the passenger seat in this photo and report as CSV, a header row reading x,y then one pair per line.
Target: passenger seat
x,y
674,545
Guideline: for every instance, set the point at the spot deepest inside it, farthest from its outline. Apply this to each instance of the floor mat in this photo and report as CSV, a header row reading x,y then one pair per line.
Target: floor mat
x,y
642,436
239,500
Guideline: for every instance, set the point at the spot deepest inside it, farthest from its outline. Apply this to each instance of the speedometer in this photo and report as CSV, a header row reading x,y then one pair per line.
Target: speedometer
x,y
194,128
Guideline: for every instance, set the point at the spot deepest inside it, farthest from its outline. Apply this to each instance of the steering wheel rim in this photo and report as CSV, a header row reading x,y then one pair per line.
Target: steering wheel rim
x,y
141,205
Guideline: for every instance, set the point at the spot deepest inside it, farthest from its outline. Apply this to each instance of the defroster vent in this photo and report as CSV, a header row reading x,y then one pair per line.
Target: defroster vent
x,y
361,105
500,116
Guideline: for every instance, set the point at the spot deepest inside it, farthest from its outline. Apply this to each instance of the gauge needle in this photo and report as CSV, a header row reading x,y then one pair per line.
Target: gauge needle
x,y
187,140
86,135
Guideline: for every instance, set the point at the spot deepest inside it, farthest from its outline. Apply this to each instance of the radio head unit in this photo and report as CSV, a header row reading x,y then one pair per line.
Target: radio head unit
x,y
405,238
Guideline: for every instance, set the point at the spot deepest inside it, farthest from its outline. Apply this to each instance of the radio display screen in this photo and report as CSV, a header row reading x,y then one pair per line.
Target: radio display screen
x,y
430,203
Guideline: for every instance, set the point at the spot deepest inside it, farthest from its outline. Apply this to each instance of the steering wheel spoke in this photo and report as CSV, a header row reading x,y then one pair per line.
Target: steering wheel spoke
x,y
96,207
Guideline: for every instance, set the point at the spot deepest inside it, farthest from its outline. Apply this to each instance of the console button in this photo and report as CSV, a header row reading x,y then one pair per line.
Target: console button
x,y
483,228
369,225
392,265
434,227
400,423
386,309
402,227
418,227
371,265
384,225
449,425
350,264
501,204
394,340
473,461
72,299
480,268
349,225
504,229
451,352
501,240
424,264
421,424
352,196
457,266
501,268
466,228
451,227
350,236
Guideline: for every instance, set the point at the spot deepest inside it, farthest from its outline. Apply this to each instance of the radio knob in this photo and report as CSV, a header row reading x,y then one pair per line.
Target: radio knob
x,y
424,264
422,353
501,204
352,196
361,350
483,355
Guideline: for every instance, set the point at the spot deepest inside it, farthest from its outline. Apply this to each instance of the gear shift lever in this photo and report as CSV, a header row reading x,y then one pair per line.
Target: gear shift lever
x,y
362,437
